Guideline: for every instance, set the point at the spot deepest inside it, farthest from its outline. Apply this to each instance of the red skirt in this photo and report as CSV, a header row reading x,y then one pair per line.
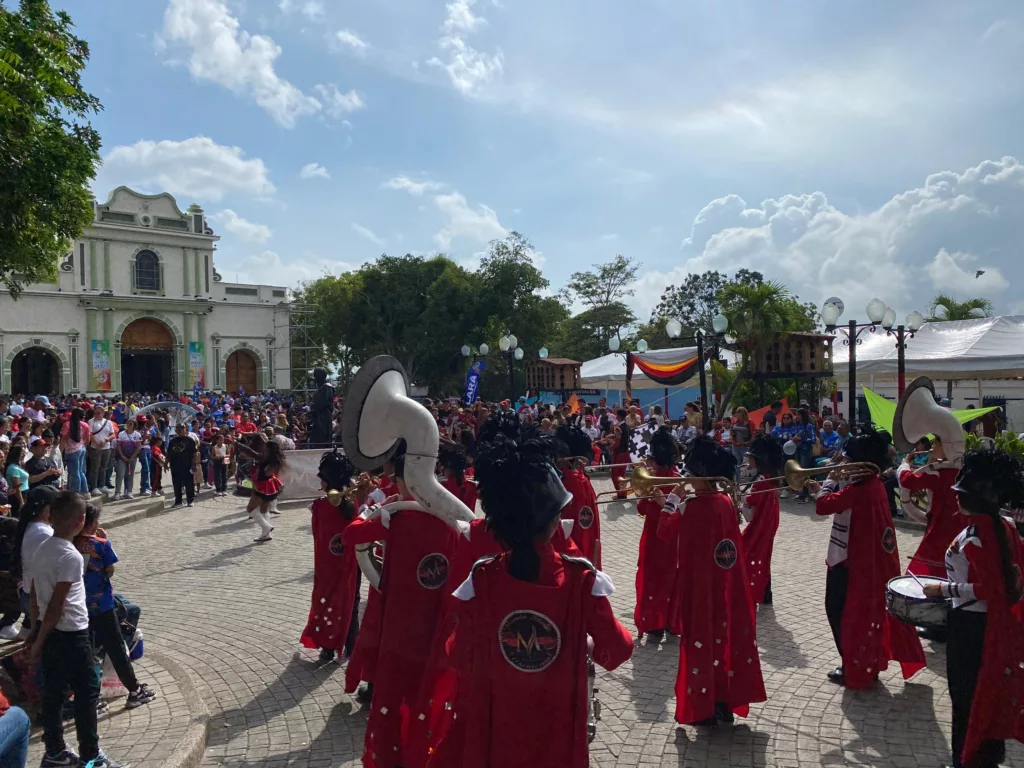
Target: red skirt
x,y
267,489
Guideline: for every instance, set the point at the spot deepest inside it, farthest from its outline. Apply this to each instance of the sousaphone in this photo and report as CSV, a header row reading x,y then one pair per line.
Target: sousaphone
x,y
378,413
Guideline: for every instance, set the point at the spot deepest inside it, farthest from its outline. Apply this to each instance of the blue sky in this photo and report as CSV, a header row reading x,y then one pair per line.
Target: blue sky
x,y
846,148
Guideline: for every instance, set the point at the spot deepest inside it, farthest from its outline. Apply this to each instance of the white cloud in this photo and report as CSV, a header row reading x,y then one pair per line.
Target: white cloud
x,y
196,167
220,51
609,237
416,188
313,9
818,250
480,223
338,104
313,171
368,233
958,272
468,69
246,230
268,268
351,40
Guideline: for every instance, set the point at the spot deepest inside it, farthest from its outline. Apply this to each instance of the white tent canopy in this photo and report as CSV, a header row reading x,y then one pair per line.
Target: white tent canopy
x,y
986,348
609,372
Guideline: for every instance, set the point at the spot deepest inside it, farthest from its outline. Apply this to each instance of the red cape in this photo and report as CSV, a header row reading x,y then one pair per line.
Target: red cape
x,y
759,537
945,520
509,687
334,580
872,558
713,614
466,493
585,514
655,568
413,586
997,710
362,665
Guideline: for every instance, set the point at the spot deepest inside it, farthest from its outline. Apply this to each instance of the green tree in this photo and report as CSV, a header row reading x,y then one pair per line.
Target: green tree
x,y
758,314
945,307
602,291
48,149
696,301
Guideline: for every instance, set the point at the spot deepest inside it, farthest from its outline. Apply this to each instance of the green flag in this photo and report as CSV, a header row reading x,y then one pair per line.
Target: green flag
x,y
883,411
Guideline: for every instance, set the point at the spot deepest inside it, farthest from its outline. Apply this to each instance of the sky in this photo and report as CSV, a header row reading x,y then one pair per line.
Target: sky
x,y
855,148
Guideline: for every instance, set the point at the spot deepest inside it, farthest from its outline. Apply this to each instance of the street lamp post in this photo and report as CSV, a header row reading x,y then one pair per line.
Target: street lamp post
x,y
719,324
509,346
878,315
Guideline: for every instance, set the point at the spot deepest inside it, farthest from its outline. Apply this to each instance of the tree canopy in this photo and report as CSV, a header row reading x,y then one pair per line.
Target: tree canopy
x,y
48,149
945,307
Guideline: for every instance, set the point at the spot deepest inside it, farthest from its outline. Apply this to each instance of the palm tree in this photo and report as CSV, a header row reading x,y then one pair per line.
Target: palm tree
x,y
951,309
757,315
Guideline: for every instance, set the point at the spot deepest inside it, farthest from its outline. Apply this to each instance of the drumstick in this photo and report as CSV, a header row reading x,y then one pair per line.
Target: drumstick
x,y
919,582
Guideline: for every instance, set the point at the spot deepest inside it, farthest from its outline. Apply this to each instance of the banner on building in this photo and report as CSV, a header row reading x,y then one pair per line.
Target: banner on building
x,y
197,364
473,381
100,365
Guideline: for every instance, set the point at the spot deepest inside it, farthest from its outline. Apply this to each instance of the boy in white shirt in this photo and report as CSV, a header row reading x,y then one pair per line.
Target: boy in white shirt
x,y
62,640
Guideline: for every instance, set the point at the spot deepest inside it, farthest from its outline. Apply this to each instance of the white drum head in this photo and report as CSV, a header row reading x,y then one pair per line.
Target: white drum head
x,y
908,586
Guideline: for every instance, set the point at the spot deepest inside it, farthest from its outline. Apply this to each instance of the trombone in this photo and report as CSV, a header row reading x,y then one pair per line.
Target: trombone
x,y
642,485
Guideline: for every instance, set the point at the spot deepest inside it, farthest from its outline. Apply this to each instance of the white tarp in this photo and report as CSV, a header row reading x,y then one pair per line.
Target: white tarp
x,y
987,348
609,372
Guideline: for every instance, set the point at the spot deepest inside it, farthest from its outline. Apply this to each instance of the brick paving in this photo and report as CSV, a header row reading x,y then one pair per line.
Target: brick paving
x,y
231,611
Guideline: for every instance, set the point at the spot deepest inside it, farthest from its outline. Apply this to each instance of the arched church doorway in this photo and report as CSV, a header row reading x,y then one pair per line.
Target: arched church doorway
x,y
35,371
147,357
240,372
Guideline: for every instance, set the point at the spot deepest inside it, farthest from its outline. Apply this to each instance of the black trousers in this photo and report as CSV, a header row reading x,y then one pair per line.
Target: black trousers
x,y
220,476
835,601
965,640
182,479
891,485
353,625
68,663
106,635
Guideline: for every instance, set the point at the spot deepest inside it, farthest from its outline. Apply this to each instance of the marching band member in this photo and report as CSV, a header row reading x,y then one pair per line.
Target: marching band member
x,y
656,565
509,687
862,557
943,518
719,667
761,511
582,510
333,622
453,465
985,639
412,589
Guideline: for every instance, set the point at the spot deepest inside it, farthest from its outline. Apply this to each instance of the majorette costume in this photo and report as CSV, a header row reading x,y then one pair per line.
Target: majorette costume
x,y
719,666
944,518
985,636
761,511
582,510
657,561
862,557
335,571
509,688
412,591
265,483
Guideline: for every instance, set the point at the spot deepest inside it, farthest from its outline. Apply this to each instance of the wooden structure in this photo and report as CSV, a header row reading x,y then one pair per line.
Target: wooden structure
x,y
553,374
794,356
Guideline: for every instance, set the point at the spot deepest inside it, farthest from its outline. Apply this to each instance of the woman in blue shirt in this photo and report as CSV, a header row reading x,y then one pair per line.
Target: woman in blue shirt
x,y
17,478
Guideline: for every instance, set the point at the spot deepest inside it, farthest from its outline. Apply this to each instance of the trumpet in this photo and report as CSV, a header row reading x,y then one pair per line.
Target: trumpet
x,y
335,496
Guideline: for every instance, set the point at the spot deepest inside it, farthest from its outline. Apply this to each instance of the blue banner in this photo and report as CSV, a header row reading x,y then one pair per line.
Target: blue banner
x,y
473,381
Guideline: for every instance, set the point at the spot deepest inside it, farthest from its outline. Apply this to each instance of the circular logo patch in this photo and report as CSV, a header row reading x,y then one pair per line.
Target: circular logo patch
x,y
889,540
725,554
586,517
530,641
432,572
337,546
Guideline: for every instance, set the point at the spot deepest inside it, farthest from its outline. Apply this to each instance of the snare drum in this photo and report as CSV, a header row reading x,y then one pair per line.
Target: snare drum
x,y
905,600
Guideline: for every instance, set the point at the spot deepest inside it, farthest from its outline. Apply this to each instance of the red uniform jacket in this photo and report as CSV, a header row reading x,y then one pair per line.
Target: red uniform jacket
x,y
362,665
872,558
466,493
713,614
509,687
945,520
334,580
655,568
996,711
762,511
583,511
419,548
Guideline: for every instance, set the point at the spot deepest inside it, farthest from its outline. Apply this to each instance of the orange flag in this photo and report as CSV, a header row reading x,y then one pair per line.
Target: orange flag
x,y
757,416
574,403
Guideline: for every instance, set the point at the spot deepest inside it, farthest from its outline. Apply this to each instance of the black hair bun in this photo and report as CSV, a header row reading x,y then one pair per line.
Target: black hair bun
x,y
708,459
768,453
871,446
663,448
993,477
573,441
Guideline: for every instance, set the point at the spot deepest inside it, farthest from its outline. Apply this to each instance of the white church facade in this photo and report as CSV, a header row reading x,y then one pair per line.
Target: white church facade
x,y
138,306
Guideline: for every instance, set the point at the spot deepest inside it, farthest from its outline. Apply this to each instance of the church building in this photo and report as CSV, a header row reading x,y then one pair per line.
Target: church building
x,y
138,306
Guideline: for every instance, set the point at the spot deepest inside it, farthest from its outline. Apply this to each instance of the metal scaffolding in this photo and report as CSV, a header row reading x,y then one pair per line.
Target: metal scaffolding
x,y
298,348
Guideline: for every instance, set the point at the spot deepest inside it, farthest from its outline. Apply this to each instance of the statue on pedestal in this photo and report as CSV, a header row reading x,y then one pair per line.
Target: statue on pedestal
x,y
321,414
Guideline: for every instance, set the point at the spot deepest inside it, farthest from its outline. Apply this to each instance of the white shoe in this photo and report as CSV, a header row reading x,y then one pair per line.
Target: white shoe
x,y
95,492
146,493
8,633
128,496
109,488
207,486
25,632
191,504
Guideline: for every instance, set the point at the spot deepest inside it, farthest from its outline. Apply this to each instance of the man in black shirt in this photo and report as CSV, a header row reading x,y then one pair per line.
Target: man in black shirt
x,y
42,470
771,416
181,452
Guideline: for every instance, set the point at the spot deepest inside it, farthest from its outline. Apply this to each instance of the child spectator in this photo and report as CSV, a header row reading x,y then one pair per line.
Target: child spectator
x,y
62,642
159,465
219,458
104,628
